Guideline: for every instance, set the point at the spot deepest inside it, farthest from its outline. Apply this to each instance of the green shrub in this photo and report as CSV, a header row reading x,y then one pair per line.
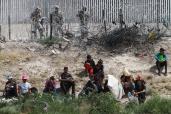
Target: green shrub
x,y
156,105
93,104
103,104
82,74
10,109
2,105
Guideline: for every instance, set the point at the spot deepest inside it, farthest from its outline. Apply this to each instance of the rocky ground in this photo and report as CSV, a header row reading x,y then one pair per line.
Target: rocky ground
x,y
40,63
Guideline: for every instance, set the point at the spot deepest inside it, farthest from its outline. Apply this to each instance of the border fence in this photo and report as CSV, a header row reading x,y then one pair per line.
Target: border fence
x,y
16,23
133,10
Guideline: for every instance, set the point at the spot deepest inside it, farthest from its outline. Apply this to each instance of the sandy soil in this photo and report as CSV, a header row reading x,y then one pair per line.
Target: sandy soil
x,y
19,56
40,63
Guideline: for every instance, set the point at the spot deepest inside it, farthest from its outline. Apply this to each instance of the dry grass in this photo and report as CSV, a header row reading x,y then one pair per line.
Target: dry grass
x,y
12,57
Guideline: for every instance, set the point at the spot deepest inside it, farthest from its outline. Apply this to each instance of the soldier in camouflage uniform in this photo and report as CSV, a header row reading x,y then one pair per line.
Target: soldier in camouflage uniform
x,y
84,18
57,22
36,23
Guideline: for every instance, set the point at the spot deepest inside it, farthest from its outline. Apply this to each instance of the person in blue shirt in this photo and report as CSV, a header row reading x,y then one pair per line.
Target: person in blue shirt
x,y
161,61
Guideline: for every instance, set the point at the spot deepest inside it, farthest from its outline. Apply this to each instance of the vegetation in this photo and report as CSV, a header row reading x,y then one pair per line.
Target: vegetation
x,y
94,104
49,41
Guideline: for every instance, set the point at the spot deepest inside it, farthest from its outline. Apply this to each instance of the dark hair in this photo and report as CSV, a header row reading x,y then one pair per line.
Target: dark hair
x,y
65,68
100,61
161,49
84,8
52,78
88,56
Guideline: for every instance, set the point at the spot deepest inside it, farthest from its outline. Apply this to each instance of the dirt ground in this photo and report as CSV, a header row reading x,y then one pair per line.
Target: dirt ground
x,y
40,63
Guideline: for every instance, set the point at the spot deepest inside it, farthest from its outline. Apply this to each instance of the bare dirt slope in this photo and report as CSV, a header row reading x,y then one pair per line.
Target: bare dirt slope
x,y
40,63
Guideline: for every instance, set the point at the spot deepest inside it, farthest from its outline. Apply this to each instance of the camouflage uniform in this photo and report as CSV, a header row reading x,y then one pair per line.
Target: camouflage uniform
x,y
83,17
36,23
57,22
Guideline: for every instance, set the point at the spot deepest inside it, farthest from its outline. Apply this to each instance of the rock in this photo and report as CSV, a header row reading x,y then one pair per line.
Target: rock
x,y
168,87
31,49
2,39
55,52
2,46
20,68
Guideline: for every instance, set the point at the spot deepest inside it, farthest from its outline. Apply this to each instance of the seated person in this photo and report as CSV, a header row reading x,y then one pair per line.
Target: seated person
x,y
50,85
67,82
99,66
90,61
89,70
24,88
106,88
139,90
10,88
127,82
99,75
161,61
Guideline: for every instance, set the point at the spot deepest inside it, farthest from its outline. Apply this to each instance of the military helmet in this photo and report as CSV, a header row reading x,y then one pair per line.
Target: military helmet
x,y
84,8
38,8
56,7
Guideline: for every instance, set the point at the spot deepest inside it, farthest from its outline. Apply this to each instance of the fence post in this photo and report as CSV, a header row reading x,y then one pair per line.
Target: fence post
x,y
46,3
121,14
158,18
9,26
9,19
50,26
104,21
0,30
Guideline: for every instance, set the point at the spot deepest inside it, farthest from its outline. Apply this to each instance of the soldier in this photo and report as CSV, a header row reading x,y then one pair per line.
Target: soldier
x,y
36,23
57,22
83,17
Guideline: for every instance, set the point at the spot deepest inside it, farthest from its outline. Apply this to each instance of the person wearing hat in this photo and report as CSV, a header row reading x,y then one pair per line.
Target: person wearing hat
x,y
67,82
10,88
126,80
161,61
57,22
24,88
83,17
36,25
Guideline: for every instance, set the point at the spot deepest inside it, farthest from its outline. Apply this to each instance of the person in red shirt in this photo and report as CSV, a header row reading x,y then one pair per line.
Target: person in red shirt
x,y
90,61
89,70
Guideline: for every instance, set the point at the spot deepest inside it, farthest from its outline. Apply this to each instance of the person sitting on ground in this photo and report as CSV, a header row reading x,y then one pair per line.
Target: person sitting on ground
x,y
24,88
90,61
67,82
99,66
90,71
140,89
99,75
50,85
10,88
106,88
127,82
161,61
